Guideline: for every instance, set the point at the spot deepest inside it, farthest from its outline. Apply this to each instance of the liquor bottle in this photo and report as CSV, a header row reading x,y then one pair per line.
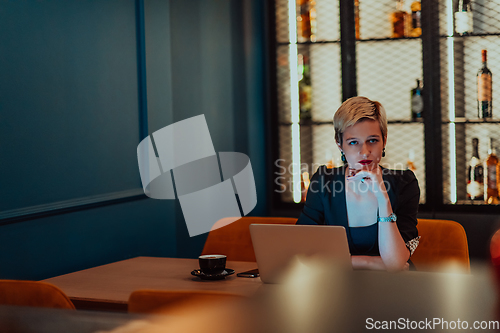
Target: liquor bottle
x,y
410,164
484,91
304,185
305,88
307,21
356,19
399,20
475,174
416,14
417,102
331,162
463,18
490,176
498,179
314,25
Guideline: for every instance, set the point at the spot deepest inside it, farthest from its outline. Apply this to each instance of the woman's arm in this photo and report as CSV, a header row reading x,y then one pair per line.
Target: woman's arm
x,y
393,251
392,247
371,262
368,262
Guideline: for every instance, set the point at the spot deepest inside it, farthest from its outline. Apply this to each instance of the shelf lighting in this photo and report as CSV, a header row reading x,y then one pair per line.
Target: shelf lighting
x,y
294,100
451,102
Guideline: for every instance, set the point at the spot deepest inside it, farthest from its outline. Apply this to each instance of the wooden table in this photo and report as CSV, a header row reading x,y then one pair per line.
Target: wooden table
x,y
319,300
108,287
314,299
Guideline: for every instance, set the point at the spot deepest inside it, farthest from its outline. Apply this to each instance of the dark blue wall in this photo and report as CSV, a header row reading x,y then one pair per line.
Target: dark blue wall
x,y
68,85
218,52
70,117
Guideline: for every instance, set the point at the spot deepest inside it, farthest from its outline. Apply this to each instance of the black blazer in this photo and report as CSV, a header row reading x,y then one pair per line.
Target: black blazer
x,y
326,204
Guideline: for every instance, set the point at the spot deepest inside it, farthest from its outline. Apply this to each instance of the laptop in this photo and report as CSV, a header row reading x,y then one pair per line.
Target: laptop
x,y
276,245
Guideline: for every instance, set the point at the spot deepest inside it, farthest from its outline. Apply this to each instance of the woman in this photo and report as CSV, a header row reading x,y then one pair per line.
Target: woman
x,y
377,206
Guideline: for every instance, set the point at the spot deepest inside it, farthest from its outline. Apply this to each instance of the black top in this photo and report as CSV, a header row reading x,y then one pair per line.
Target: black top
x,y
326,204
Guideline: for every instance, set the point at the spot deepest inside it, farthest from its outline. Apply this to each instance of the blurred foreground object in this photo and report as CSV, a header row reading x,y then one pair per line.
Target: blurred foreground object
x,y
33,293
24,319
319,297
495,255
443,246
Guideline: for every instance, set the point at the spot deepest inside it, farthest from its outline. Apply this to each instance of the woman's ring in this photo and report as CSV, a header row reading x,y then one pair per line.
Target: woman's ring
x,y
362,180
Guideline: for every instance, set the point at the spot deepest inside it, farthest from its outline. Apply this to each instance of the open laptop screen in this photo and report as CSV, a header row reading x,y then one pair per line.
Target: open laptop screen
x,y
277,245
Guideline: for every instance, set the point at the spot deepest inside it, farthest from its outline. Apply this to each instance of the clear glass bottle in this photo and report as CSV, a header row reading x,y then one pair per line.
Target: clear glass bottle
x,y
475,176
484,90
304,185
490,176
305,88
417,102
464,18
410,163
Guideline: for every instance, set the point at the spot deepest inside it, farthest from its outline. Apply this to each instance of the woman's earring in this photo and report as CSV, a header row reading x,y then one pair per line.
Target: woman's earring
x,y
342,157
383,152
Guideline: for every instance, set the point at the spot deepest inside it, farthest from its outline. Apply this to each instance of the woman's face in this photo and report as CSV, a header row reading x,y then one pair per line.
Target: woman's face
x,y
362,145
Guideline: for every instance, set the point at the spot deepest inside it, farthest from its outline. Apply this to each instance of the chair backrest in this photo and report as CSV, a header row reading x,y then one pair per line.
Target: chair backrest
x,y
33,293
443,243
234,241
167,301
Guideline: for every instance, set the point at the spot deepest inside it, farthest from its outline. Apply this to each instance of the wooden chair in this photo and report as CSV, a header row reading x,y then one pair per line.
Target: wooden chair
x,y
234,241
443,246
33,293
168,301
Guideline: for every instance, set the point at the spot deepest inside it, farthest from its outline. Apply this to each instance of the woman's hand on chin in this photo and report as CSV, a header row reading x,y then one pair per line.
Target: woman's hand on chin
x,y
372,178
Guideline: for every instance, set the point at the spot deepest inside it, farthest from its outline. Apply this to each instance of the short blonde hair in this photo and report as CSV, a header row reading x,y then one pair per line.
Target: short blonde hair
x,y
355,110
